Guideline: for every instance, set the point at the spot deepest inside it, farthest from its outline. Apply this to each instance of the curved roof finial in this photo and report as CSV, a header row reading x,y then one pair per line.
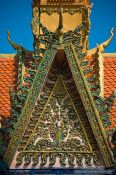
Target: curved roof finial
x,y
103,45
14,45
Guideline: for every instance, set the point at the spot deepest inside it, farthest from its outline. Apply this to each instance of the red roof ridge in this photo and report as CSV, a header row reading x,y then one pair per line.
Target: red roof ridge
x,y
112,54
108,59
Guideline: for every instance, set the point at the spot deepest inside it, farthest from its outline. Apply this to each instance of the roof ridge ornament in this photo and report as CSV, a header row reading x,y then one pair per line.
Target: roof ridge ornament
x,y
100,47
14,45
103,45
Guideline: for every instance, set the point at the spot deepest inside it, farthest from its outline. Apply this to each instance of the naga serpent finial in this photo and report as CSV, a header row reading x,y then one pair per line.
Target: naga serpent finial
x,y
100,47
103,45
15,46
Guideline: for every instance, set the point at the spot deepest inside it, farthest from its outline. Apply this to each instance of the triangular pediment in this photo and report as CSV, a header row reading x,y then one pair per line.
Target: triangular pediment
x,y
58,127
58,131
59,119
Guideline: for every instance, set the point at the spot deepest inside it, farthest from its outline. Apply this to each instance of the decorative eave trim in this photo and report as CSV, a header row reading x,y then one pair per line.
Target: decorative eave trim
x,y
69,6
35,90
95,122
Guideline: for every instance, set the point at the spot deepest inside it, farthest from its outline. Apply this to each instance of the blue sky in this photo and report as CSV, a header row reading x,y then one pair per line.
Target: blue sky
x,y
16,15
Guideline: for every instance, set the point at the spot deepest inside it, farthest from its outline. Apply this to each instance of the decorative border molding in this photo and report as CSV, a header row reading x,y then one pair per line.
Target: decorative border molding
x,y
50,10
30,102
88,102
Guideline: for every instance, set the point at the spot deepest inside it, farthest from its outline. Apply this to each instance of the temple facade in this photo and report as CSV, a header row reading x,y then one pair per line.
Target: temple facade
x,y
57,102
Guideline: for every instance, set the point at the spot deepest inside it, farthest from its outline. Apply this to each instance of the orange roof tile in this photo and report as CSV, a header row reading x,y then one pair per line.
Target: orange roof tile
x,y
110,83
8,78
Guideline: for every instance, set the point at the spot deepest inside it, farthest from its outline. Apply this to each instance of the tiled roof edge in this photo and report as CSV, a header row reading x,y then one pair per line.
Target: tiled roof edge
x,y
7,55
109,54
